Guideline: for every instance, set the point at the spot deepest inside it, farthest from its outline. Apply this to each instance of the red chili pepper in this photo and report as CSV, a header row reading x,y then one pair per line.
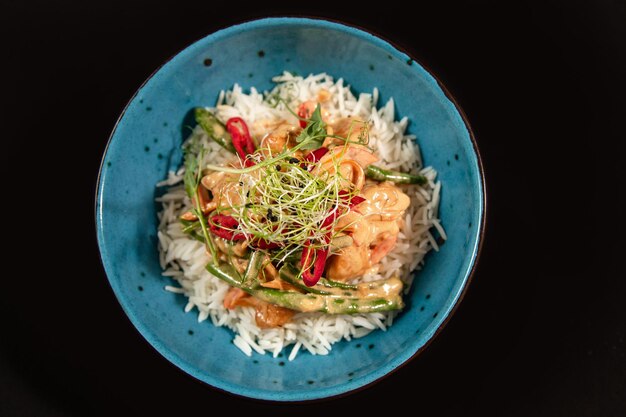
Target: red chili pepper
x,y
316,155
328,221
264,244
313,156
355,200
241,139
222,226
311,278
303,113
315,260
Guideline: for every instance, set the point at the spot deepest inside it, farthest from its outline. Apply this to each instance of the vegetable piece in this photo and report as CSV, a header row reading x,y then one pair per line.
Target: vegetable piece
x,y
380,295
354,200
314,259
303,114
224,226
313,263
241,139
341,242
289,273
314,133
316,155
251,275
214,128
193,157
189,226
264,244
380,174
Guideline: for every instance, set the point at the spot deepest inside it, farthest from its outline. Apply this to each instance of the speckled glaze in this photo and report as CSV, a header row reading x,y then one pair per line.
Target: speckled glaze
x,y
145,144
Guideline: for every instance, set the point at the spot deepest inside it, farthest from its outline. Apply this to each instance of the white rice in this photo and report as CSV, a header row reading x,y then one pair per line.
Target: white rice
x,y
183,259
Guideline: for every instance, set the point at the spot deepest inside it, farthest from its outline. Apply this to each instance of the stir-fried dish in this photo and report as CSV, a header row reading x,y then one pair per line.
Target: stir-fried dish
x,y
299,213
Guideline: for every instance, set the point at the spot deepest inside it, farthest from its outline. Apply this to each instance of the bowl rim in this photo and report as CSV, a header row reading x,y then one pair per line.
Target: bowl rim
x,y
367,380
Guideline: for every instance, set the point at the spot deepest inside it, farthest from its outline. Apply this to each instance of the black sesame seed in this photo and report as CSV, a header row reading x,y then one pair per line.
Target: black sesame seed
x,y
278,168
294,160
241,183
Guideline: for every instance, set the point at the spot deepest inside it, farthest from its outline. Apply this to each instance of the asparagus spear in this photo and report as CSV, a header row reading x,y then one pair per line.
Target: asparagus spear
x,y
251,276
380,174
332,304
324,286
214,128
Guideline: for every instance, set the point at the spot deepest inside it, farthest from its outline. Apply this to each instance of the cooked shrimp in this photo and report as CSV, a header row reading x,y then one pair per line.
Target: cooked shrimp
x,y
351,128
235,297
280,139
267,315
384,243
206,205
224,187
350,262
356,226
384,201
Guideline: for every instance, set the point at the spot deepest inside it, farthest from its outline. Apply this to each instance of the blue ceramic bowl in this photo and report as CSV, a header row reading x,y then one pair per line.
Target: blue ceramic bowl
x,y
145,144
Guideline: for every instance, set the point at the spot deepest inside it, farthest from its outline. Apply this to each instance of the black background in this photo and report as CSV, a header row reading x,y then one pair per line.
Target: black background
x,y
542,329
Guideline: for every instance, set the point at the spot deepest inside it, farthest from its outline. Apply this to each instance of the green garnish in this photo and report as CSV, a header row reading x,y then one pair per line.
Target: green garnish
x,y
194,154
288,207
314,133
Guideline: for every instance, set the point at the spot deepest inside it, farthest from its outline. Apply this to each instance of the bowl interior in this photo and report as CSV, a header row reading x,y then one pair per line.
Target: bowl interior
x,y
146,144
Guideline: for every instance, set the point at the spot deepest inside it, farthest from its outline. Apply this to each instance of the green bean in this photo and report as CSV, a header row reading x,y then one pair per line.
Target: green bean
x,y
214,128
328,303
380,174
